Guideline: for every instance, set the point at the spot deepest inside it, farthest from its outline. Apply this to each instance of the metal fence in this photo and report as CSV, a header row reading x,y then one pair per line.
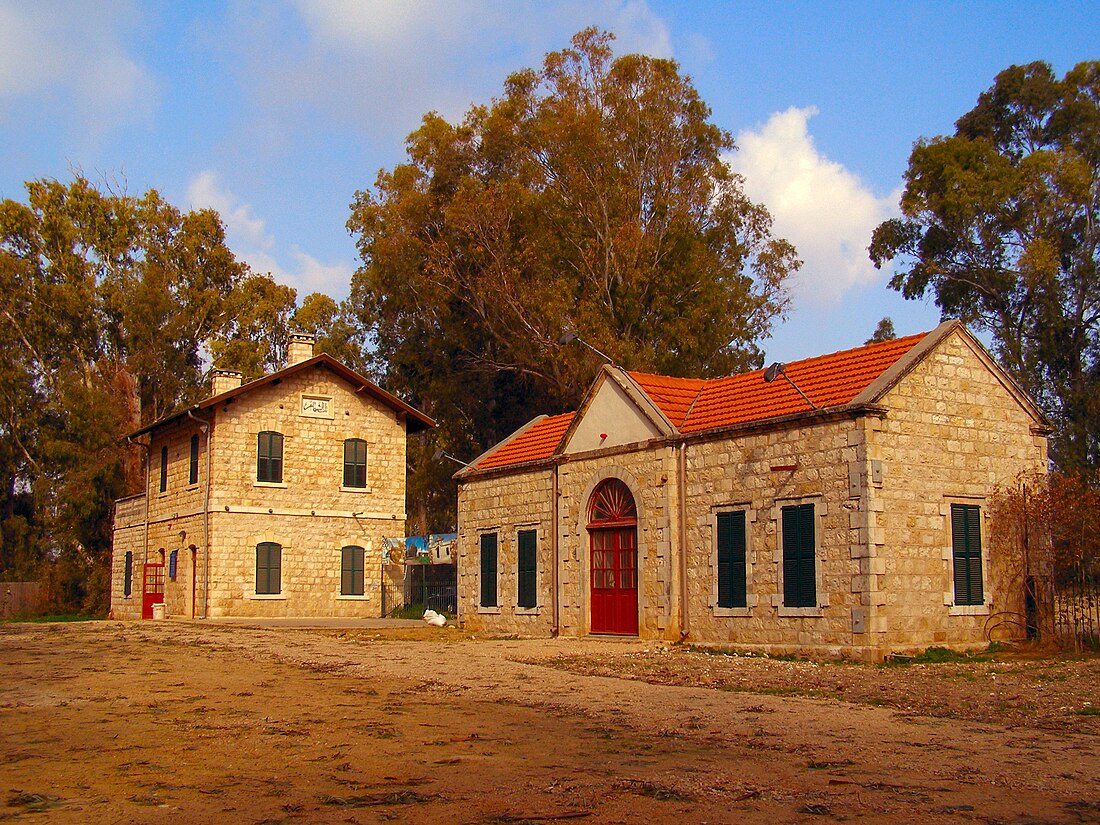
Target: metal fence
x,y
1067,613
422,589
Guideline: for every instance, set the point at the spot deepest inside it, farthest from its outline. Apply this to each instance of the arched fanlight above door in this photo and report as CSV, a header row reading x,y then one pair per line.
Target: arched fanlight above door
x,y
612,505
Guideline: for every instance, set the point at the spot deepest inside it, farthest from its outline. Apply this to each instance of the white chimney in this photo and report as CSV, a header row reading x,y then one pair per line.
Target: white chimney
x,y
299,348
224,381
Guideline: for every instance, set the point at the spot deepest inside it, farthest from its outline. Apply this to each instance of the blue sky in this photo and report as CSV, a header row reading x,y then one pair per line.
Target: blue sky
x,y
275,113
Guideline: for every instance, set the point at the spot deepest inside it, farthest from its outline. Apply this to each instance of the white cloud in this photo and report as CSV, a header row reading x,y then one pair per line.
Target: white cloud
x,y
818,205
73,49
250,241
354,59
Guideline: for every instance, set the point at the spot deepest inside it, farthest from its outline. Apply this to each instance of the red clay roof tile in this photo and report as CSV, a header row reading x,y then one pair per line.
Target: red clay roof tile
x,y
540,440
697,404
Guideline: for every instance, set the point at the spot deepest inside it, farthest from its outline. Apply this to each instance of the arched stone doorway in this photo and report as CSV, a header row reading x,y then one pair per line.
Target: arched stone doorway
x,y
613,538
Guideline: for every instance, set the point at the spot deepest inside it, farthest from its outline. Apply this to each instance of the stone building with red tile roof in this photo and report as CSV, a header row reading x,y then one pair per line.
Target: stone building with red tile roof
x,y
840,508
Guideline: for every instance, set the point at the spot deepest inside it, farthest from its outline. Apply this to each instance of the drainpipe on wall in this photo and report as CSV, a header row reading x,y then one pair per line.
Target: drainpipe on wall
x,y
208,429
554,550
681,485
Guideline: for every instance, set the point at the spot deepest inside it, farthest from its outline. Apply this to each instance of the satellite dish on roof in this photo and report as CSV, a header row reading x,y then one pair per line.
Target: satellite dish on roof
x,y
772,372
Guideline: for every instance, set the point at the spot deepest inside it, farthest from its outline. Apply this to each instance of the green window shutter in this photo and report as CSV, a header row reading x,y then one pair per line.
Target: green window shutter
x,y
193,477
966,552
351,571
268,568
128,575
163,469
355,463
528,597
269,457
488,569
732,566
799,573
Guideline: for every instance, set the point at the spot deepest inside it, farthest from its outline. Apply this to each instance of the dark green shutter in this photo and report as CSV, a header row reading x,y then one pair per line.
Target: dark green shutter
x,y
966,546
489,570
269,457
528,596
351,571
732,567
355,463
799,573
193,478
269,568
163,469
128,575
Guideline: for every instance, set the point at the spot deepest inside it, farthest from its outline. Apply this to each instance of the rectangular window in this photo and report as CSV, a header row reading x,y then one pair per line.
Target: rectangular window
x,y
163,469
269,572
528,565
799,574
193,476
732,567
269,458
355,463
966,553
173,560
128,575
351,571
489,570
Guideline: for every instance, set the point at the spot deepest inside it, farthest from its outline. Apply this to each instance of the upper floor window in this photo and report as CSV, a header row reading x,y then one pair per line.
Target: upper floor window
x,y
355,463
269,457
163,469
193,475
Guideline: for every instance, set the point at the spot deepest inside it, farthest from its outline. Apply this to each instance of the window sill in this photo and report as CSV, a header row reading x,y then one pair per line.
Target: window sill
x,y
801,612
279,485
354,489
267,597
349,598
527,611
731,612
969,610
490,610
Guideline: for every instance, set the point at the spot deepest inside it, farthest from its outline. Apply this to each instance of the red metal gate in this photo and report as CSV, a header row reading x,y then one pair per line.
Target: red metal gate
x,y
613,528
152,591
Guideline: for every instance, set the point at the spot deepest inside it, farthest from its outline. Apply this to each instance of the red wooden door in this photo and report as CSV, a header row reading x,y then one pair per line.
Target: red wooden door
x,y
152,590
613,531
615,581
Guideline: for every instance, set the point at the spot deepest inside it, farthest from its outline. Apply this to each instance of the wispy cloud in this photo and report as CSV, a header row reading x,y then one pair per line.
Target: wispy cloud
x,y
249,239
72,51
818,205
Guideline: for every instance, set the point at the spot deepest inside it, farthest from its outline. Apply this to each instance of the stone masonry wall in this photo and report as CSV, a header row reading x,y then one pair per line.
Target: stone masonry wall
x,y
505,505
310,513
953,433
760,473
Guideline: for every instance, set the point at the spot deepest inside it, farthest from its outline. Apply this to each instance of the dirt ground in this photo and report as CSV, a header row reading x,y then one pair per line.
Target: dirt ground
x,y
173,722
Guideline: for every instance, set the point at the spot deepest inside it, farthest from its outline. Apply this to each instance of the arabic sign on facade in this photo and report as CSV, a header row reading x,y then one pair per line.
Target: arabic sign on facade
x,y
317,406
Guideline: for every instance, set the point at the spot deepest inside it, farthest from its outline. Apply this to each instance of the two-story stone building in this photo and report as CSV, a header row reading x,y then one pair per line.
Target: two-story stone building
x,y
269,498
840,508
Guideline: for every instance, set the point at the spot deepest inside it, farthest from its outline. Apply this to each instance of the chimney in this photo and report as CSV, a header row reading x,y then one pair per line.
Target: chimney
x,y
224,381
299,348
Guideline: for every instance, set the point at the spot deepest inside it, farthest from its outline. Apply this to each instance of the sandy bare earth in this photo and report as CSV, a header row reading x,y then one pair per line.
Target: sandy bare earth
x,y
173,722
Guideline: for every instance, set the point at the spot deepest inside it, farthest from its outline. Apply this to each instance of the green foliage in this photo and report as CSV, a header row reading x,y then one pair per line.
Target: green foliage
x,y
1001,223
591,196
106,304
883,332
